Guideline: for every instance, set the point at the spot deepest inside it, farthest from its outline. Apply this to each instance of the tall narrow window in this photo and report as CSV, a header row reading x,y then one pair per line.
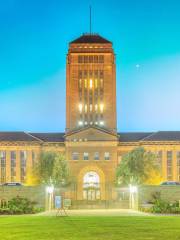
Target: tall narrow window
x,y
80,107
33,159
159,160
23,162
169,165
80,59
95,59
90,83
178,165
85,59
101,107
3,166
85,83
13,165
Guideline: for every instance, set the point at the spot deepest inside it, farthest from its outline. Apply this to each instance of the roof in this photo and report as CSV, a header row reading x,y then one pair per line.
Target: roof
x,y
92,127
164,136
49,137
59,137
133,136
90,38
16,136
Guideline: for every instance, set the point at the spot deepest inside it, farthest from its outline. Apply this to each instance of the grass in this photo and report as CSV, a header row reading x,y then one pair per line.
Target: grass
x,y
89,228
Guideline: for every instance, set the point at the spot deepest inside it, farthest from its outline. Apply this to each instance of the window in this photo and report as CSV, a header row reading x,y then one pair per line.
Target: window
x,y
96,156
106,156
33,159
3,166
95,59
86,156
13,158
101,59
91,59
159,160
85,83
85,59
80,59
23,162
178,165
75,156
13,165
169,165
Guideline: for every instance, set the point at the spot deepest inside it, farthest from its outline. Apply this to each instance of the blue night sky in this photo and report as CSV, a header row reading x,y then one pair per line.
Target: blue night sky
x,y
34,36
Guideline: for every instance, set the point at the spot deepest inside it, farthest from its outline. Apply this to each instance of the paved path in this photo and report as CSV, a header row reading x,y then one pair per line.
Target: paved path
x,y
98,212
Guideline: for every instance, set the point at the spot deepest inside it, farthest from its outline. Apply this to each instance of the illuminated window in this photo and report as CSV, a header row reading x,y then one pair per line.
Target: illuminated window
x,y
80,83
101,83
96,107
106,156
86,156
96,83
75,156
85,83
85,108
90,107
90,83
101,107
80,107
96,156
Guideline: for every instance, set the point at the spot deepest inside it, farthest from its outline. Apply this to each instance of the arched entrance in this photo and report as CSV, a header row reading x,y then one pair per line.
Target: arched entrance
x,y
91,186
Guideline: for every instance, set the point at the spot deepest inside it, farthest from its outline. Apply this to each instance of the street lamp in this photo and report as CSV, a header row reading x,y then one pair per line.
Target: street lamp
x,y
133,197
49,198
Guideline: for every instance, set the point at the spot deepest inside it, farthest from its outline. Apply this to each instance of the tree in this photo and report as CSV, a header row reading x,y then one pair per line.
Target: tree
x,y
137,166
52,168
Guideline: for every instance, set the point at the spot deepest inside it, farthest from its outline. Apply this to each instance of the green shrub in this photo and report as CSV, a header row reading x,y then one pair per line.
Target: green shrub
x,y
20,205
161,206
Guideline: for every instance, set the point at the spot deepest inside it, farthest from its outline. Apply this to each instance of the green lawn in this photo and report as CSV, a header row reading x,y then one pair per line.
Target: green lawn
x,y
94,228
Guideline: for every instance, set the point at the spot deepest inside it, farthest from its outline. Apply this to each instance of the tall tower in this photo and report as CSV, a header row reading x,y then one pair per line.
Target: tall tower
x,y
90,84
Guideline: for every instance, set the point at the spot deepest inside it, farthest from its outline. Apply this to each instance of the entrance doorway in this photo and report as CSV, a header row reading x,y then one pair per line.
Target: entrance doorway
x,y
91,186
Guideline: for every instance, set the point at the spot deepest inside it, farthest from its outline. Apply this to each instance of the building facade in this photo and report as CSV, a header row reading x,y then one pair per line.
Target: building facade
x,y
91,143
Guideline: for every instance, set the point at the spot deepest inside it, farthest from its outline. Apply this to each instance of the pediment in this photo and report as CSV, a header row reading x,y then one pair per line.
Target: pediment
x,y
91,134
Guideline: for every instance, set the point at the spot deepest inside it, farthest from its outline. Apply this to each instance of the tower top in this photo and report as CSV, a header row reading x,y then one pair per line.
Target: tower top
x,y
91,38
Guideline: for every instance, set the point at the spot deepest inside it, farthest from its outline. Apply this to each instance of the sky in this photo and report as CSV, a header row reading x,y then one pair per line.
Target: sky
x,y
34,37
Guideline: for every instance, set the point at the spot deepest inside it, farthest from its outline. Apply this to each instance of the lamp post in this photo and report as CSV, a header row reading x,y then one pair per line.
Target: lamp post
x,y
50,193
133,197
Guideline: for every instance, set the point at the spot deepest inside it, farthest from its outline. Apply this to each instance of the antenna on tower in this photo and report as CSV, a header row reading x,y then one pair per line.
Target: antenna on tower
x,y
90,24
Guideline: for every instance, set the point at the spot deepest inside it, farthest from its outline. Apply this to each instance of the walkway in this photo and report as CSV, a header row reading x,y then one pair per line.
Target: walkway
x,y
98,212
